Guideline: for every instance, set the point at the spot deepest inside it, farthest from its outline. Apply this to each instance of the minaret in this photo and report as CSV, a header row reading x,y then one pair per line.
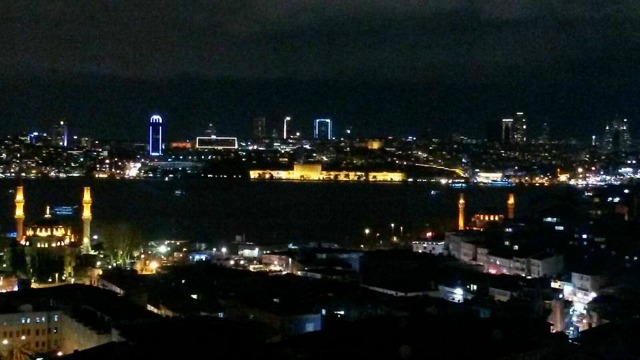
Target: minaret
x,y
461,205
19,216
86,221
511,206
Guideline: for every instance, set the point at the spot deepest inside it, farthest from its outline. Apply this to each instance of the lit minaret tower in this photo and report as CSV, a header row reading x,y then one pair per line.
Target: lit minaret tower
x,y
511,206
86,221
461,205
19,213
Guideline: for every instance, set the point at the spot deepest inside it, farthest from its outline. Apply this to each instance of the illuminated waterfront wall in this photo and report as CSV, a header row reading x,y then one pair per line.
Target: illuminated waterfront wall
x,y
315,172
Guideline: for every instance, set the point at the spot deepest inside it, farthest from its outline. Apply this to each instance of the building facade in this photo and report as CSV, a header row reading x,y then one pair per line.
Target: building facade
x,y
155,135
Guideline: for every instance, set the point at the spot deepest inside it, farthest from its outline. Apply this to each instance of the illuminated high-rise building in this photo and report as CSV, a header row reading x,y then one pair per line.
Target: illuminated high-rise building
x,y
259,128
514,130
617,137
284,127
322,129
155,135
519,128
507,131
60,134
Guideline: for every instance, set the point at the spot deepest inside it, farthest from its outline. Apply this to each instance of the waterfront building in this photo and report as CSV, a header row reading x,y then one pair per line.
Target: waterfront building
x,y
314,172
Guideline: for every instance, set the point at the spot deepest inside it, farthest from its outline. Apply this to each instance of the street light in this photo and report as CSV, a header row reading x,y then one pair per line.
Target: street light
x,y
366,236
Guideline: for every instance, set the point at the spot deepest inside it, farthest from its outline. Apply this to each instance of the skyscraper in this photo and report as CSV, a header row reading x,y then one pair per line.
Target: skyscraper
x,y
155,135
519,128
322,129
284,128
514,130
616,136
60,134
546,131
507,131
259,128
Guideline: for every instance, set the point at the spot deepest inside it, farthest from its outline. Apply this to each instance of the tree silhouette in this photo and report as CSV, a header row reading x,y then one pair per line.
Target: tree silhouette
x,y
120,241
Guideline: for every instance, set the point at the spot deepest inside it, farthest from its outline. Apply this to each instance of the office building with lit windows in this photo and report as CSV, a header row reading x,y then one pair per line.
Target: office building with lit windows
x,y
514,130
155,135
617,137
34,331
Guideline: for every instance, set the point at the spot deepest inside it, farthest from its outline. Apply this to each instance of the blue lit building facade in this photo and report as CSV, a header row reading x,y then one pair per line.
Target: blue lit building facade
x,y
155,135
322,129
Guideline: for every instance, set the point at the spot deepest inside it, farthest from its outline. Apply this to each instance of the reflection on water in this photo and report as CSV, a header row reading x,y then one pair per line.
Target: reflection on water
x,y
214,210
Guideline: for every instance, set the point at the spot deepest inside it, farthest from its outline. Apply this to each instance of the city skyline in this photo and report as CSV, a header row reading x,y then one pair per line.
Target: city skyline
x,y
448,66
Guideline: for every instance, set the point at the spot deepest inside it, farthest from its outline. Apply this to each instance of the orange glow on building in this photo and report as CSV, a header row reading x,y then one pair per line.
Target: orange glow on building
x,y
19,215
461,205
314,172
180,145
511,206
86,220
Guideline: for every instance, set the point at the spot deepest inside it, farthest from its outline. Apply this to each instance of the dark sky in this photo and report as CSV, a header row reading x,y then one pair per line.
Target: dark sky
x,y
377,64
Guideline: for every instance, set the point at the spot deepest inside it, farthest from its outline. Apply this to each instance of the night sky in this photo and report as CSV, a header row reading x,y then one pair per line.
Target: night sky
x,y
404,67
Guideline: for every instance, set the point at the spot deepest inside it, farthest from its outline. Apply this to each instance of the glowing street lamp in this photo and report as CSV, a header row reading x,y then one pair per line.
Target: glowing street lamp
x,y
366,236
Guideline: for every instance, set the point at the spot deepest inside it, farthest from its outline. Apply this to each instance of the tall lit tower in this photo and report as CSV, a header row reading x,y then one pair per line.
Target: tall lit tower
x,y
155,135
284,130
19,215
616,136
86,221
511,206
507,131
60,134
520,128
461,205
322,129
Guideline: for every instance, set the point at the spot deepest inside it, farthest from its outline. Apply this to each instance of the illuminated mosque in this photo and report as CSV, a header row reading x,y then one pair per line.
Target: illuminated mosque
x,y
51,248
479,221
